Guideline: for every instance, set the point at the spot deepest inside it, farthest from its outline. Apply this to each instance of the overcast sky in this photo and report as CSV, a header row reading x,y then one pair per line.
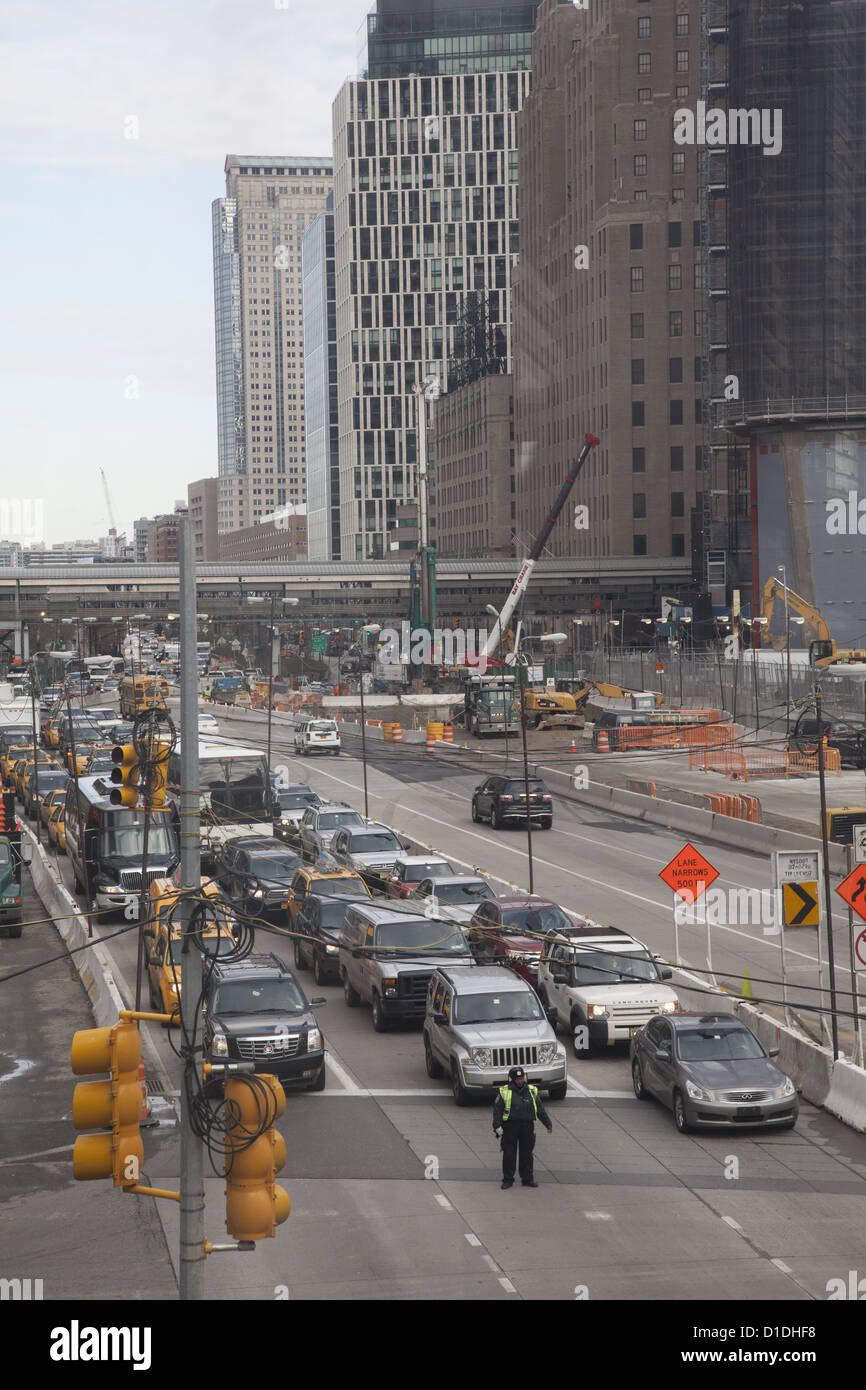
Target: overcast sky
x,y
107,311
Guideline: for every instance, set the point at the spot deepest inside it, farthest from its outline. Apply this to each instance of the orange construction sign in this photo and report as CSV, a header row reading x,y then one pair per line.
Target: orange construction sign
x,y
853,890
689,873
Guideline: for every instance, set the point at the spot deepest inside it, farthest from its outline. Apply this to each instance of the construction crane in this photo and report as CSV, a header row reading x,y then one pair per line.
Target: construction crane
x,y
111,521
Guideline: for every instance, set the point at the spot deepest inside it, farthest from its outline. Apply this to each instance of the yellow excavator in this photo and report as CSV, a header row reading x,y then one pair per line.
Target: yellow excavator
x,y
823,652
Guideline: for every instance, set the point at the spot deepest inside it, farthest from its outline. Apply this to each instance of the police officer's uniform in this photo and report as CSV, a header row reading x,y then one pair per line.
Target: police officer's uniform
x,y
515,1111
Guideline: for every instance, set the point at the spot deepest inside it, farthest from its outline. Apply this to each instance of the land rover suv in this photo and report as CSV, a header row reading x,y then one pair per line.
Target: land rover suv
x,y
254,1010
387,957
602,985
479,1023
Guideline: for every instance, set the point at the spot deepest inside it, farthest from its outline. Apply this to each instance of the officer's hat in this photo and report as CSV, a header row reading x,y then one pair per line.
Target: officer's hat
x,y
515,1073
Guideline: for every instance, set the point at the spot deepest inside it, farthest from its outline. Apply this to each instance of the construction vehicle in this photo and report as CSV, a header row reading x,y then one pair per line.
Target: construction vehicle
x,y
491,705
548,708
824,655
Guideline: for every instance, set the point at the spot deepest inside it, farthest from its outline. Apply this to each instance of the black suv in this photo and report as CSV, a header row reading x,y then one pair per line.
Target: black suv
x,y
319,925
502,799
846,735
254,1010
259,879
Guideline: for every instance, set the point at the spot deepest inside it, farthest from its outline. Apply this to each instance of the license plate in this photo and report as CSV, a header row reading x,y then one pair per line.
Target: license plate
x,y
747,1113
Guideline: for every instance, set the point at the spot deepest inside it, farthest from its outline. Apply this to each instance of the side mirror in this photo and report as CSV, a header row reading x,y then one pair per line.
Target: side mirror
x,y
318,1003
662,1054
407,844
667,974
773,1051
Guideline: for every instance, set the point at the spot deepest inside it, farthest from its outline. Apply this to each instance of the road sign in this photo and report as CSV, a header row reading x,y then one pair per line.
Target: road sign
x,y
853,890
689,873
798,874
319,643
859,842
860,951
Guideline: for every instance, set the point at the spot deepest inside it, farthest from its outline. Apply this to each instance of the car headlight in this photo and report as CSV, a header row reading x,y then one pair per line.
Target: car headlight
x,y
219,1045
546,1053
481,1056
670,1006
111,888
174,989
314,1040
389,987
257,893
788,1089
597,1011
696,1092
332,950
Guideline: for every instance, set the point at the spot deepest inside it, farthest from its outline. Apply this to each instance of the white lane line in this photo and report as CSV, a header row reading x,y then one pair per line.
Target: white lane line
x,y
598,1216
444,1202
735,1225
491,1263
350,1086
780,1264
472,1240
507,1284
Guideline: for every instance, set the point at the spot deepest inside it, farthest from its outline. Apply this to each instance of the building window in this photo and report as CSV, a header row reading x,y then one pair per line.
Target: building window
x,y
678,164
675,234
638,460
699,369
676,412
638,504
682,60
676,458
678,195
644,63
639,545
635,236
637,325
675,369
637,413
637,371
699,275
640,195
675,323
644,28
675,277
678,544
640,165
700,322
644,93
682,24
699,409
640,129
678,504
682,92
637,279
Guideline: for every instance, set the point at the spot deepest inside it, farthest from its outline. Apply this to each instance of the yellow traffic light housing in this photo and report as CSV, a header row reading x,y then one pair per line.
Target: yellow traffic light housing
x,y
255,1204
156,779
125,776
113,1105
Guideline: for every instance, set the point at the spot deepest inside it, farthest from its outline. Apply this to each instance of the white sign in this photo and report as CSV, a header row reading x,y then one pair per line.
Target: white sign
x,y
550,683
859,843
860,949
792,866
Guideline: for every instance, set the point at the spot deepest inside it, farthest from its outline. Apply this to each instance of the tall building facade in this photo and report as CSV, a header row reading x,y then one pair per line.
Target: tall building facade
x,y
257,230
202,505
608,300
425,210
321,428
475,481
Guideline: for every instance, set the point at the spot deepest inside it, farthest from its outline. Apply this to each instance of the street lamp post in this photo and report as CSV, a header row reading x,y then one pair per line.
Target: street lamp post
x,y
783,572
365,632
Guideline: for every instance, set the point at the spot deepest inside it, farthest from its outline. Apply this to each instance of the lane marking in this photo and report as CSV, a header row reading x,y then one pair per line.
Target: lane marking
x,y
507,1284
598,1216
491,1263
780,1264
473,1240
347,1082
735,1225
444,1202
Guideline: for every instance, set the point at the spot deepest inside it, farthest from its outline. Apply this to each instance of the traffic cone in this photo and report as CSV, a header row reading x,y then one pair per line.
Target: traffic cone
x,y
573,745
746,991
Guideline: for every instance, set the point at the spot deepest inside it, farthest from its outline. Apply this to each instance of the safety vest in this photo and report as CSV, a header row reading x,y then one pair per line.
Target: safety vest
x,y
505,1092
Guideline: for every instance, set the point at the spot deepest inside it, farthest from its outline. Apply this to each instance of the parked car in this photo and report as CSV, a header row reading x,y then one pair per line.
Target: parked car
x,y
500,927
370,848
254,1010
387,957
502,801
455,897
317,736
480,1023
319,825
319,926
602,984
711,1070
410,869
848,736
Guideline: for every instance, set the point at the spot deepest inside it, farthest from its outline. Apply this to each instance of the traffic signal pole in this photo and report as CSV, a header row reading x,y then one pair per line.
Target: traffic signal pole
x,y
192,1240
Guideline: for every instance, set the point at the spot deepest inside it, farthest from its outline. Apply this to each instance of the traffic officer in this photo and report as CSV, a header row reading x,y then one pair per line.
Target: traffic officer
x,y
515,1110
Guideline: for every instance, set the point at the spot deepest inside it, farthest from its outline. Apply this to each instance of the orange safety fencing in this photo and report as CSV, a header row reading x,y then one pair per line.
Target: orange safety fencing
x,y
677,735
761,762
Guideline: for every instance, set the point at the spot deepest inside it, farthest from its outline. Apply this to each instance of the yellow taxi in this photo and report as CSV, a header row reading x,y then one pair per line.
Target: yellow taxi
x,y
83,756
49,803
52,733
328,879
11,757
22,769
57,825
164,943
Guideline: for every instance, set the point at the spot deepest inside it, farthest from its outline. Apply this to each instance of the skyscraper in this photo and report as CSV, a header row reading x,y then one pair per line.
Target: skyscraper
x,y
321,430
257,229
425,210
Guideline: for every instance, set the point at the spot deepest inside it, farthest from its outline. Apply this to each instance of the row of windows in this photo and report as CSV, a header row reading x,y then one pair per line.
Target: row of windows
x,y
678,544
681,26
480,272
675,323
450,133
638,501
681,62
675,409
428,171
675,369
638,458
387,97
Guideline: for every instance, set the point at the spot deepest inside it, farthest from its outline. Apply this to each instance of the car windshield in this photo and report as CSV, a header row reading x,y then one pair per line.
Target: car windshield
x,y
331,915
415,935
273,865
258,997
296,801
462,892
331,820
492,1008
602,968
382,840
321,726
127,842
718,1045
413,873
536,919
340,888
5,853
517,788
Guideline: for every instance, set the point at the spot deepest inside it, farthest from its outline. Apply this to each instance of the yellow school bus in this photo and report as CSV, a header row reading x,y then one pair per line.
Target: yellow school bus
x,y
138,693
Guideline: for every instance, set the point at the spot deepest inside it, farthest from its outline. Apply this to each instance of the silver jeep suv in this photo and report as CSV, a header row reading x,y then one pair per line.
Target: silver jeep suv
x,y
479,1023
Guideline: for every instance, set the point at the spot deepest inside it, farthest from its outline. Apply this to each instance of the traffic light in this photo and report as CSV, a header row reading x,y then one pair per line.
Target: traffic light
x,y
125,776
113,1105
157,778
255,1204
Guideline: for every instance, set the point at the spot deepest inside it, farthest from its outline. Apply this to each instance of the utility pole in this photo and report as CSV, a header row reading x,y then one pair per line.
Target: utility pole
x,y
427,552
35,751
192,1253
520,669
828,905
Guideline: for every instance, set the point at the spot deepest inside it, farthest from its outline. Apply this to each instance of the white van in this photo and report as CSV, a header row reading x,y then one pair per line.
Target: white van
x,y
317,736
